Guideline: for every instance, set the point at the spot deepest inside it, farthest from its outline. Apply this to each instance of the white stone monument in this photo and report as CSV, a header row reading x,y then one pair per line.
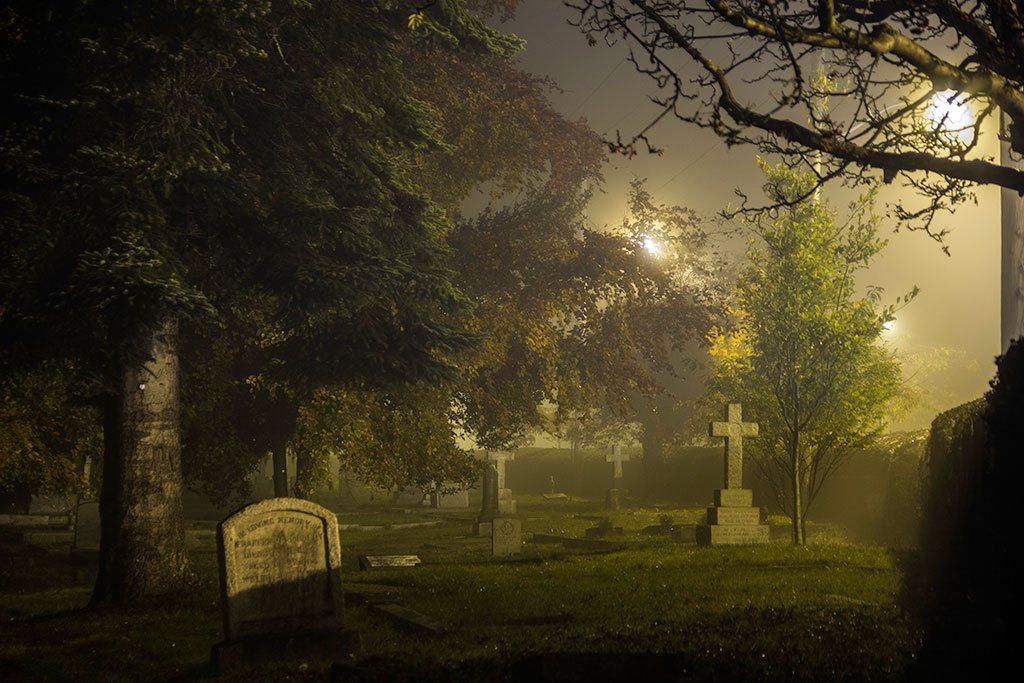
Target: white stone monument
x,y
613,497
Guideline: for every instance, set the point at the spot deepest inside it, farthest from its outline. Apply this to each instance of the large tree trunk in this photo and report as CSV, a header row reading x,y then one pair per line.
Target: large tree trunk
x,y
1012,312
142,549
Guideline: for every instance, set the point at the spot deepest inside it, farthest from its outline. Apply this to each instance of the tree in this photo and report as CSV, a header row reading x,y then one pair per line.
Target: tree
x,y
882,61
577,317
45,436
157,159
803,354
496,127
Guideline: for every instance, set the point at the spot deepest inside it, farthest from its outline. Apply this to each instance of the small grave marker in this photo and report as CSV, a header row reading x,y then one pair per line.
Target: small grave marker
x,y
87,526
388,561
456,499
506,537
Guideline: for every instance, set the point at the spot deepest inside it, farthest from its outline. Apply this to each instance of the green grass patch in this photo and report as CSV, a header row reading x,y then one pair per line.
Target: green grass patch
x,y
822,612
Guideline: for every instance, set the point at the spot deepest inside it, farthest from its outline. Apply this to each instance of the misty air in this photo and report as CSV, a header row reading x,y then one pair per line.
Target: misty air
x,y
510,340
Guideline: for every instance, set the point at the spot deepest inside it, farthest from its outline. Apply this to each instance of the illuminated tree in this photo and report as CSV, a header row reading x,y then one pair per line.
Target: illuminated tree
x,y
803,354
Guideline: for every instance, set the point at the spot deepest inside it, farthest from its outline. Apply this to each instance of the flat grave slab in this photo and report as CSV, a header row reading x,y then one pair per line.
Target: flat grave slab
x,y
411,619
368,562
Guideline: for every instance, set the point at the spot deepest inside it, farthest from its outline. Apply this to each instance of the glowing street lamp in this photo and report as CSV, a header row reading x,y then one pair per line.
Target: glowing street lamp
x,y
651,246
951,115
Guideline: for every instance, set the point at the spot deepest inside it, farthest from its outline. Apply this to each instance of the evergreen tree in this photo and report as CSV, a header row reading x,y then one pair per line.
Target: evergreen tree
x,y
159,158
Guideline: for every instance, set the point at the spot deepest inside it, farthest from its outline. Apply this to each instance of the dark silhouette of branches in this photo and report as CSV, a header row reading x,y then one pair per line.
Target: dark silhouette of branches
x,y
843,87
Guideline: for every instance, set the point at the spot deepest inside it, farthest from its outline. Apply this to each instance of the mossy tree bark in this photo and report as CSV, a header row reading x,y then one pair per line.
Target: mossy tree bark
x,y
142,535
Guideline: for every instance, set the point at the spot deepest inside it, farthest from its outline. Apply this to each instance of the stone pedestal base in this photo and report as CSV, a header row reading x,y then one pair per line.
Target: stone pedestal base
x,y
613,499
506,507
482,529
258,650
733,520
737,534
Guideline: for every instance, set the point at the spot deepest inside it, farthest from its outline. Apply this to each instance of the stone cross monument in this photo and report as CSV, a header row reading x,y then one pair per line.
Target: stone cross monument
x,y
733,520
734,429
498,459
614,495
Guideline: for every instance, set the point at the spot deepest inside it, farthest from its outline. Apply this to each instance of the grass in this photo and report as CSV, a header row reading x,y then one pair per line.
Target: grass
x,y
823,612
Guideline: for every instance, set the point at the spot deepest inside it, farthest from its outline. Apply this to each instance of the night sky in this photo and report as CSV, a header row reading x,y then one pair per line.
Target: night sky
x,y
947,337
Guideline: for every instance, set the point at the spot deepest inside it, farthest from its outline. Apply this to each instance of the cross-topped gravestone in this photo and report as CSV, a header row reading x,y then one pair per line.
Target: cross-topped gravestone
x,y
498,459
616,458
733,519
734,429
614,495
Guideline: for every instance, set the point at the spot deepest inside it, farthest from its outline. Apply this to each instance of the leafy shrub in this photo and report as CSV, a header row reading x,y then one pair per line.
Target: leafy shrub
x,y
964,585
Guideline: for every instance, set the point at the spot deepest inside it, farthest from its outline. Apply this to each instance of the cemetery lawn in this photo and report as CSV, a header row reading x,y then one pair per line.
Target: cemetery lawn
x,y
827,611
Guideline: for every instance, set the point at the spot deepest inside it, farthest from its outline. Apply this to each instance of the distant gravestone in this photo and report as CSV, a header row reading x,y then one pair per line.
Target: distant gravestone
x,y
733,520
506,537
281,592
409,497
455,499
489,504
87,526
506,505
614,495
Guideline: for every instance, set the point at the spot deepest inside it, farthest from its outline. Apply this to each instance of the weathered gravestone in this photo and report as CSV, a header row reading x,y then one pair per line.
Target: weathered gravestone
x,y
489,505
506,505
87,526
613,497
281,593
506,537
733,520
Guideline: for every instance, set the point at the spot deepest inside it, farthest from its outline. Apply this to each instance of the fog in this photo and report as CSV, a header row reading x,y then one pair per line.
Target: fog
x,y
947,337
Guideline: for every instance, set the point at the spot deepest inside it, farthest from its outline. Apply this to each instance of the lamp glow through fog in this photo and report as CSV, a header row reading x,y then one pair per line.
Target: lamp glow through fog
x,y
950,113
